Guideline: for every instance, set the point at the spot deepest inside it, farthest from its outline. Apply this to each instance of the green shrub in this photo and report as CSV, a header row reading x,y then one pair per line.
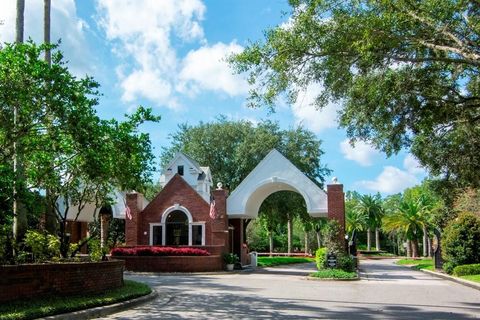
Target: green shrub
x,y
467,270
345,263
94,250
43,245
321,258
334,274
332,241
460,241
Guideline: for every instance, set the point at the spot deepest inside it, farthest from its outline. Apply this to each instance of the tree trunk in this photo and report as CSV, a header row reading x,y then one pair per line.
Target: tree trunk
x,y
415,248
429,245
19,23
425,242
270,238
46,29
369,239
377,239
19,211
104,222
289,235
319,243
409,248
306,243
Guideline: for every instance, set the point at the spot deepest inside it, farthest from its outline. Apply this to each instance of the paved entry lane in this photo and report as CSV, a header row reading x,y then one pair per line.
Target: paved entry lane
x,y
386,291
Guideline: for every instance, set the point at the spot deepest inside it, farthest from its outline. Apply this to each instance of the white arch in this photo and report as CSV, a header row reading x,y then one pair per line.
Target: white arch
x,y
274,173
173,208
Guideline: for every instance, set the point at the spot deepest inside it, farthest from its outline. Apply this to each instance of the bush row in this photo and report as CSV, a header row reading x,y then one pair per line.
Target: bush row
x,y
467,270
158,251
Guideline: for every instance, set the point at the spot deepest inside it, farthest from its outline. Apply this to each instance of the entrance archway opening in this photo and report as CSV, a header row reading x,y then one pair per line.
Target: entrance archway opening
x,y
176,225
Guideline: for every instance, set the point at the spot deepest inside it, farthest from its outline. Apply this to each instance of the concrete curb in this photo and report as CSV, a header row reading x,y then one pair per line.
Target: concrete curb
x,y
464,282
104,310
467,283
331,279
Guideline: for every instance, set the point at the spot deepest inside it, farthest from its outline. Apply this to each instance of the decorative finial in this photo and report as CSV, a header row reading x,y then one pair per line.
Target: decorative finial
x,y
334,180
219,186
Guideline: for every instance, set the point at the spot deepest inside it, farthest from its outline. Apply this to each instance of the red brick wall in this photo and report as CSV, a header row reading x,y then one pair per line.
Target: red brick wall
x,y
173,264
336,206
34,280
133,226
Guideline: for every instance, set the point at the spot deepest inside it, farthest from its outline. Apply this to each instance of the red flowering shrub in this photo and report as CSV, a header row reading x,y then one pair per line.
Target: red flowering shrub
x,y
158,251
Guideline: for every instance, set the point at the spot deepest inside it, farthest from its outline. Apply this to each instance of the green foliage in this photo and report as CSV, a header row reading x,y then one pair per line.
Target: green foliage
x,y
43,246
321,258
346,263
59,134
407,74
278,261
461,240
407,219
331,237
95,250
334,274
467,270
230,258
370,209
42,307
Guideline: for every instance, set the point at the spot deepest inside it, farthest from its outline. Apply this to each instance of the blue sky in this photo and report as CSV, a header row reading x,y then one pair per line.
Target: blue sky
x,y
167,54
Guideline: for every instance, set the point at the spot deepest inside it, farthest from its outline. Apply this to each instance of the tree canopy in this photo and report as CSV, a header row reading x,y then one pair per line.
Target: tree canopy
x,y
233,148
64,146
406,73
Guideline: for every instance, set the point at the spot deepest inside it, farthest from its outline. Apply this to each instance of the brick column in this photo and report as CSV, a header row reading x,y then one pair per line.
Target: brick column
x,y
336,207
220,224
133,227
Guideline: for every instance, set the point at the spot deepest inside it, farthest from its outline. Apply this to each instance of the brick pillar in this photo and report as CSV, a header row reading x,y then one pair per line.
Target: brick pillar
x,y
133,227
219,235
336,207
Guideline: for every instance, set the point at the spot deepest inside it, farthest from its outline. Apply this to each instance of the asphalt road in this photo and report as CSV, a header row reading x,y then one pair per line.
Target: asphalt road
x,y
386,291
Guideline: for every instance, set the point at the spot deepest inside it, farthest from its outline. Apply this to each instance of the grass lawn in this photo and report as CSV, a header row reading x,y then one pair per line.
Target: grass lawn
x,y
277,261
475,278
41,307
418,263
334,274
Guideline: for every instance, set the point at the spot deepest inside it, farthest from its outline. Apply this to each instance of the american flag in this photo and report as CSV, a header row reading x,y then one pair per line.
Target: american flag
x,y
213,210
128,213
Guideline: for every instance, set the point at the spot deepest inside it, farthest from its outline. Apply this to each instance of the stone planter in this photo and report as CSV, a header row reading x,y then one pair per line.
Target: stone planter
x,y
230,266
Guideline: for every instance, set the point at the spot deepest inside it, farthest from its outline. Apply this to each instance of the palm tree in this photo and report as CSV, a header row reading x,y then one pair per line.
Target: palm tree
x,y
409,220
355,221
371,207
318,225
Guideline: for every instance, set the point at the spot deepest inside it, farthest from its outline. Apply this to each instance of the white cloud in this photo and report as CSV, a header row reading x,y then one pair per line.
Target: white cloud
x,y
306,114
391,180
412,165
362,153
394,180
65,25
207,69
143,34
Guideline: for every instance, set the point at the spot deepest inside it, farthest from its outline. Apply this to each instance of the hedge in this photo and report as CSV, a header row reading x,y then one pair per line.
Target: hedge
x,y
158,251
467,270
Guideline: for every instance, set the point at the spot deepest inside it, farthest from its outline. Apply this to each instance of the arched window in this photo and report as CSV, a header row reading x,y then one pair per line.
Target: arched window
x,y
176,225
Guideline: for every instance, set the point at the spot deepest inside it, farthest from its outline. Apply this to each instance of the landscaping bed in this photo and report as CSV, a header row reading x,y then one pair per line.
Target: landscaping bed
x,y
40,307
278,261
418,264
334,274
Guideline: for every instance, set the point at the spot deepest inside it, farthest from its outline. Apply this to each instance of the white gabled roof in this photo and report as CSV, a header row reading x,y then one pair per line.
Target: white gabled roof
x,y
274,173
192,163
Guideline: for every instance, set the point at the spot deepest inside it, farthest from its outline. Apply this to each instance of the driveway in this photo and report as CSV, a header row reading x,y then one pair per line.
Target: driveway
x,y
386,291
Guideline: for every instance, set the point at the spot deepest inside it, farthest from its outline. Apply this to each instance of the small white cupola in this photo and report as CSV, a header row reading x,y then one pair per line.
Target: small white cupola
x,y
199,178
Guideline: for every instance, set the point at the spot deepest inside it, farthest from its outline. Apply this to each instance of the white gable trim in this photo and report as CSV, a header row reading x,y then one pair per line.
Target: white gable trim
x,y
186,160
274,173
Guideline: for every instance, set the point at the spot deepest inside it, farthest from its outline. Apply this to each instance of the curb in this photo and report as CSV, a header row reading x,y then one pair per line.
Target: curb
x,y
104,310
331,279
464,282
